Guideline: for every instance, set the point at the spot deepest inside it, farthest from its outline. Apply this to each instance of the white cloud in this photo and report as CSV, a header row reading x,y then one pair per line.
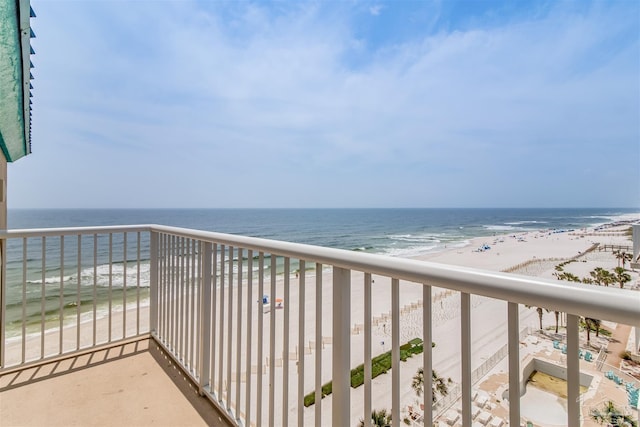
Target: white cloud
x,y
181,97
375,10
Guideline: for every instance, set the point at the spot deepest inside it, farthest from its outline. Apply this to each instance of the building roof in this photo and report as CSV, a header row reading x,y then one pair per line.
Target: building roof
x,y
15,78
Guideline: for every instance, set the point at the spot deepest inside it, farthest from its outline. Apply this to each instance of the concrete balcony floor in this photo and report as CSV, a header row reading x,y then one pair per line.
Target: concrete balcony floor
x,y
133,384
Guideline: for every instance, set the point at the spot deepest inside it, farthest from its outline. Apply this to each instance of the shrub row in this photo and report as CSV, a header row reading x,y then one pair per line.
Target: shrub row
x,y
379,365
310,398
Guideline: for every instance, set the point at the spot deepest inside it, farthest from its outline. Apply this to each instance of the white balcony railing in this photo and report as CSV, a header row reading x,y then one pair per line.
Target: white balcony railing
x,y
199,295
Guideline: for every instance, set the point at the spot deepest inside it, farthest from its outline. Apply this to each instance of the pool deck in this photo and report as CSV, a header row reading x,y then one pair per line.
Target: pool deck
x,y
491,409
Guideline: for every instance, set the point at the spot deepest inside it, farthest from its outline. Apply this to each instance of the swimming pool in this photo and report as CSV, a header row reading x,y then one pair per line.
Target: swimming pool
x,y
555,407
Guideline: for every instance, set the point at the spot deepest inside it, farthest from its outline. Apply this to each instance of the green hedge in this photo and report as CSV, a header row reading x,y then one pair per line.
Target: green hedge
x,y
379,365
310,398
382,363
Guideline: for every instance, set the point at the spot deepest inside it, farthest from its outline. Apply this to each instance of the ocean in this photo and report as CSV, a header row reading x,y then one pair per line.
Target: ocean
x,y
392,232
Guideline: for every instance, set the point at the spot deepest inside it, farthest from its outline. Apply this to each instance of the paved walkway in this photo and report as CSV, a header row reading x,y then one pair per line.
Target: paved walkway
x,y
617,345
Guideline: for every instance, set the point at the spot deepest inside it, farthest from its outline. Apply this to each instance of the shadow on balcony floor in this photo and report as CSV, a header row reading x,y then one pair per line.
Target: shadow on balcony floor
x,y
131,384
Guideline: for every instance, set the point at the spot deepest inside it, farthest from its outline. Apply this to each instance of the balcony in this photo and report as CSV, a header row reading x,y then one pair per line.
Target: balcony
x,y
233,330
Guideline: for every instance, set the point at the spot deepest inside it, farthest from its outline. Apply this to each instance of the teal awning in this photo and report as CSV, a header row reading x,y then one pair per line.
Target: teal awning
x,y
15,78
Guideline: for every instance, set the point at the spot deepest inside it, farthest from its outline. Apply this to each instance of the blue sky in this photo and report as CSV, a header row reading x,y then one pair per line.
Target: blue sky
x,y
333,104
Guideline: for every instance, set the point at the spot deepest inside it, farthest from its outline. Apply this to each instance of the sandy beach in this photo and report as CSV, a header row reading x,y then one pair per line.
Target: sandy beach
x,y
531,253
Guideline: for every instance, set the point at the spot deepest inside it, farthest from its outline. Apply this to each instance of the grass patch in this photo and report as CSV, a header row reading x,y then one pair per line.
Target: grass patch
x,y
602,331
379,365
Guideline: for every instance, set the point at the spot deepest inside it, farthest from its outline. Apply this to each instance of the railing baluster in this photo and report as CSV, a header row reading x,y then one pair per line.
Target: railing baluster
x,y
513,331
171,291
110,283
191,290
162,283
214,315
174,293
78,301
95,287
154,302
230,329
249,336
341,347
260,312
367,350
301,336
221,340
124,285
285,346
188,308
239,334
185,305
3,302
197,274
61,308
465,350
272,341
181,312
159,282
318,347
24,301
573,371
167,291
427,354
206,333
43,293
395,349
138,287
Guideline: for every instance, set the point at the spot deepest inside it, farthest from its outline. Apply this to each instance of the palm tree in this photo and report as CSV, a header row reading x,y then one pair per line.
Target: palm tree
x,y
601,276
379,418
440,385
540,313
622,257
592,323
612,416
621,276
608,278
568,276
598,275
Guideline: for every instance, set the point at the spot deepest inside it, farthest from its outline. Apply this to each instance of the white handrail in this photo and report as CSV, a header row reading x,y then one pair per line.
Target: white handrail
x,y
67,231
613,304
